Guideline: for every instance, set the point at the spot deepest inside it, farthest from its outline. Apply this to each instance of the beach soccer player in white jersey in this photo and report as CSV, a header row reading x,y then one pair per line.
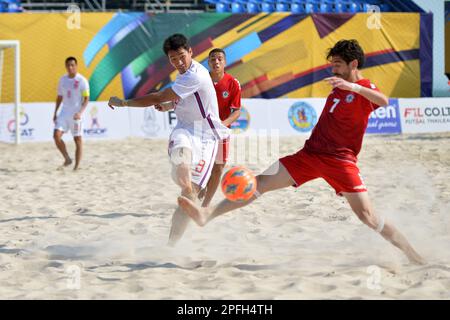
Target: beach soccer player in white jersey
x,y
73,93
194,141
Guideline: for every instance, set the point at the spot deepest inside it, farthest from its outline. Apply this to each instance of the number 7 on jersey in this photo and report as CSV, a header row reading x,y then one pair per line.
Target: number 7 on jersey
x,y
336,102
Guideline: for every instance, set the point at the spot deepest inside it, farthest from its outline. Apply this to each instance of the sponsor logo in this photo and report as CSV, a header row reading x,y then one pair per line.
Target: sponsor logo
x,y
95,128
302,116
385,119
427,115
225,94
242,123
172,119
26,132
150,126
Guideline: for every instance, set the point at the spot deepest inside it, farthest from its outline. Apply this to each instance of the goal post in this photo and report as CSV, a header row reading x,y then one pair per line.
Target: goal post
x,y
15,45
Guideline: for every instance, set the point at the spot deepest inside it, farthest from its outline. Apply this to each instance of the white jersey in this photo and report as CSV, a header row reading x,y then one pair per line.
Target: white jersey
x,y
197,108
72,90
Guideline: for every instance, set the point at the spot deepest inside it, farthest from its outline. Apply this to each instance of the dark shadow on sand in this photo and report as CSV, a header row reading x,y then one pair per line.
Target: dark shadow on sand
x,y
27,218
114,215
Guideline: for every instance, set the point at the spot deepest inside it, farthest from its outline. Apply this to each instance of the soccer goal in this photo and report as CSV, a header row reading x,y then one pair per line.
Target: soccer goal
x,y
10,90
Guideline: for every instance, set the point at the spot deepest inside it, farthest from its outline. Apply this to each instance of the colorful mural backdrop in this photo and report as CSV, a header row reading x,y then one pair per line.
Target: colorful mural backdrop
x,y
273,55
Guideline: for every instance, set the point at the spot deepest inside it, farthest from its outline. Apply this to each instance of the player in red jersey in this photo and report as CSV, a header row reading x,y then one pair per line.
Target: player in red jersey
x,y
228,92
331,151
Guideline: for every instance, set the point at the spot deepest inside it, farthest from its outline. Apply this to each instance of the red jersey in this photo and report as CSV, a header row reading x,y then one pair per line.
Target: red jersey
x,y
342,124
228,91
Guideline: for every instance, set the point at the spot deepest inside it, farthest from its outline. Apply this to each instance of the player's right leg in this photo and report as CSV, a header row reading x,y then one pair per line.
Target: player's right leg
x,y
57,137
181,175
360,204
273,178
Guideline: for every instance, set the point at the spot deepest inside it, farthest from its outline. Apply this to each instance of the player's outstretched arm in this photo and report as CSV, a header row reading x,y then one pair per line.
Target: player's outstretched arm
x,y
144,101
372,95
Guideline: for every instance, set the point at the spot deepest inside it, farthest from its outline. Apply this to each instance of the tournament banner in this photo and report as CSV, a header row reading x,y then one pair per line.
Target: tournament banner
x,y
425,115
385,120
101,122
36,122
270,54
150,123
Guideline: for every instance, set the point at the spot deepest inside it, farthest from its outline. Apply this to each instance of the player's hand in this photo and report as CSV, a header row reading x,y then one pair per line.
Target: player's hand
x,y
165,106
336,82
159,107
115,102
77,116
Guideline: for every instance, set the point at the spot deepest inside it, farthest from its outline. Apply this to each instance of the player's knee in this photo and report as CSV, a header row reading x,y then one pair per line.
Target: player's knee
x,y
77,140
56,136
180,156
368,217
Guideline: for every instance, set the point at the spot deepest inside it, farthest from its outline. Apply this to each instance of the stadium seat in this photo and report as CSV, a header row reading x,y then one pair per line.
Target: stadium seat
x,y
309,7
324,7
385,7
282,6
338,6
297,7
237,7
353,7
10,6
364,7
268,6
253,6
222,7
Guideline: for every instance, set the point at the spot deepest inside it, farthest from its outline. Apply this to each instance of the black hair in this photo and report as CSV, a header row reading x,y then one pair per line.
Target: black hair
x,y
216,50
348,50
70,59
175,42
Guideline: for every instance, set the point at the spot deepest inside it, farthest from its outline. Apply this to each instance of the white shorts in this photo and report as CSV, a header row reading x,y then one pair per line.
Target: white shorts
x,y
204,151
66,123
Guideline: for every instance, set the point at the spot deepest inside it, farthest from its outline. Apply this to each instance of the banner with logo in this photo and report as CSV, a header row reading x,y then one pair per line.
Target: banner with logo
x,y
289,117
425,115
150,123
385,120
101,122
36,122
121,53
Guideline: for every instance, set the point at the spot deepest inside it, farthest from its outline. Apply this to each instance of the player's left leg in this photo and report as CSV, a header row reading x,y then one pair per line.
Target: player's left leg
x,y
216,174
78,151
360,204
76,127
213,183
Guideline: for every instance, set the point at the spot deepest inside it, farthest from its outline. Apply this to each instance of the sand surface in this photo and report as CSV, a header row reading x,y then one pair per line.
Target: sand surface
x,y
101,233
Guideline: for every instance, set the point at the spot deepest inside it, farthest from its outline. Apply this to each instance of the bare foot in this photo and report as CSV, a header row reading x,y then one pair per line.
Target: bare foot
x,y
199,215
415,258
68,162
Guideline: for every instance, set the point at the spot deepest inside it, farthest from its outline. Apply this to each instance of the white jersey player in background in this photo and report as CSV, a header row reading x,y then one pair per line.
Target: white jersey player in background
x,y
73,92
194,141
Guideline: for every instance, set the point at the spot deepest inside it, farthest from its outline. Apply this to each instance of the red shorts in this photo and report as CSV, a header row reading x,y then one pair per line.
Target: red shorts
x,y
342,175
223,151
